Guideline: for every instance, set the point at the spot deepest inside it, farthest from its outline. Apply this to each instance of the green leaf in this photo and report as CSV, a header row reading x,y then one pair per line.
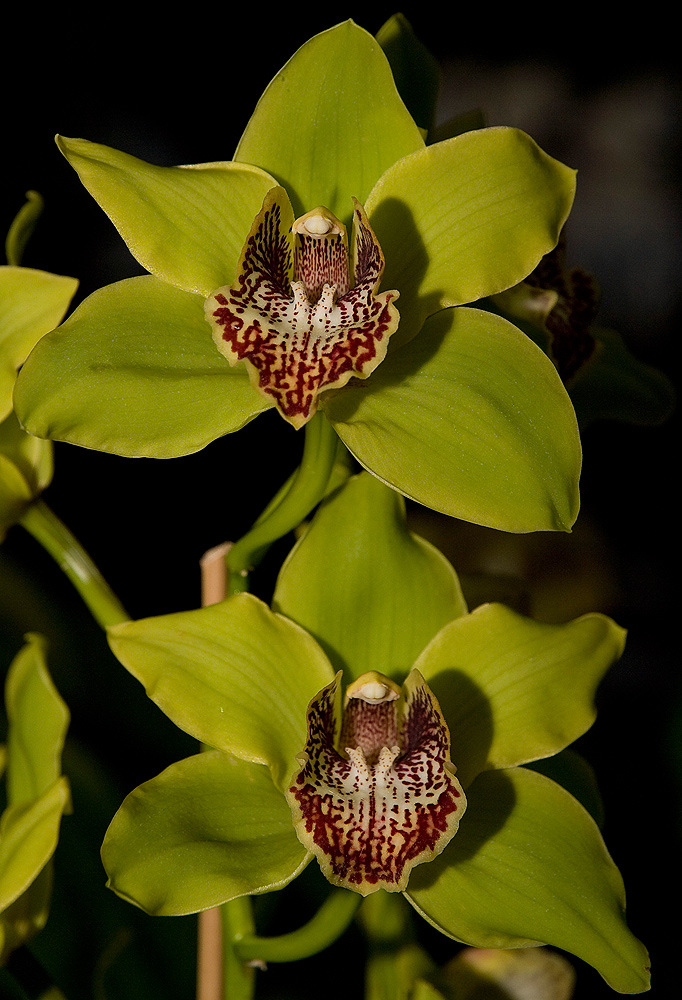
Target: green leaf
x,y
470,419
186,225
206,830
528,866
134,371
330,122
465,218
357,563
234,675
513,690
31,304
37,723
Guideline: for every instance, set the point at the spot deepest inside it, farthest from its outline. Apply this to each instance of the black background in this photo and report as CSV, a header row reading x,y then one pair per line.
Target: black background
x,y
179,89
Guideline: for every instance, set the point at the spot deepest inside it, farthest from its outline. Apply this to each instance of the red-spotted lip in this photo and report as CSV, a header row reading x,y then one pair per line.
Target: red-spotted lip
x,y
376,793
291,314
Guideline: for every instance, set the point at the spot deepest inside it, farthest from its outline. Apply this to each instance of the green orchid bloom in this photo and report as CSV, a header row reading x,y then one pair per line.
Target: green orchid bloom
x,y
495,974
446,403
557,306
37,795
31,304
416,782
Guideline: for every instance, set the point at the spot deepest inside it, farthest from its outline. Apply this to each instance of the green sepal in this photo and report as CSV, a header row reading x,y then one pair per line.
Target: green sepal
x,y
570,770
26,468
31,303
186,225
465,218
37,794
470,419
38,720
134,371
358,563
234,675
330,122
415,70
208,829
529,867
515,690
29,832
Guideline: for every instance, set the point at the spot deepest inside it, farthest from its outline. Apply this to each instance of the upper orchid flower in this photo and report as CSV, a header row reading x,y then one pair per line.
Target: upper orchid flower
x,y
457,409
416,786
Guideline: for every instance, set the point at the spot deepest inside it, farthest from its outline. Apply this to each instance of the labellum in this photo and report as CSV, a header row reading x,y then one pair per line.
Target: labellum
x,y
295,314
377,792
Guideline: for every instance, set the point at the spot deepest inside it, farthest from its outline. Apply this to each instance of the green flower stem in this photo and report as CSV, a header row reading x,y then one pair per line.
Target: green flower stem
x,y
55,537
290,506
239,977
394,960
328,924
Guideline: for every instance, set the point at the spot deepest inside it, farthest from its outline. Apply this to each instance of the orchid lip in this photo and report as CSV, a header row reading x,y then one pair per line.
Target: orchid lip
x,y
295,315
376,793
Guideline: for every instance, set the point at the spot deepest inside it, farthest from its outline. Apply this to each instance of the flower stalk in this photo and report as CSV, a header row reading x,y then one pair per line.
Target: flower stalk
x,y
290,506
41,522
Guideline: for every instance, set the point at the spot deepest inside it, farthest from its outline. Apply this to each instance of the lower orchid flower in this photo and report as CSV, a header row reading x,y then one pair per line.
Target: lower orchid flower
x,y
420,784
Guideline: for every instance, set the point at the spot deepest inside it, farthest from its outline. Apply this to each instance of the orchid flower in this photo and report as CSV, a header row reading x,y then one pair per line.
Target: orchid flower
x,y
32,302
557,306
37,794
447,404
444,711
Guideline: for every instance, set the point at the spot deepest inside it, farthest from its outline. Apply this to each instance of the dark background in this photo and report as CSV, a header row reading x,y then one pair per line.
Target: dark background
x,y
174,89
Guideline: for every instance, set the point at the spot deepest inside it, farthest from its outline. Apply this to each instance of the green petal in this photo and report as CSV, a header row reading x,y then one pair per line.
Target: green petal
x,y
465,218
528,866
31,304
37,723
186,225
206,830
513,690
358,563
134,371
29,832
470,419
330,122
234,675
